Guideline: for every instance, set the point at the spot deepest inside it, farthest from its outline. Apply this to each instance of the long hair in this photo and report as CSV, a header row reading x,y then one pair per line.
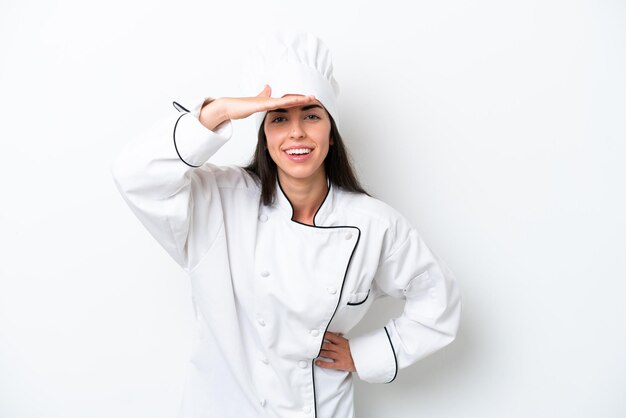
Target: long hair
x,y
337,166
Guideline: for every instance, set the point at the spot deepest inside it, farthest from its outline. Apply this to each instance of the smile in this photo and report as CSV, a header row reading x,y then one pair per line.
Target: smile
x,y
298,151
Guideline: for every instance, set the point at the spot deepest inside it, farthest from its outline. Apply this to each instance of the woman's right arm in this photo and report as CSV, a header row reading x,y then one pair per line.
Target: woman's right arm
x,y
163,178
166,180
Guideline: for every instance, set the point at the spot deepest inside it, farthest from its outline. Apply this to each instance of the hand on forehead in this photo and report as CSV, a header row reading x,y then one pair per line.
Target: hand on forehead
x,y
294,100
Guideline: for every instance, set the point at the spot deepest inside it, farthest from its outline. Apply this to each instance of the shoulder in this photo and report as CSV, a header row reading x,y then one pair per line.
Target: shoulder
x,y
367,206
376,214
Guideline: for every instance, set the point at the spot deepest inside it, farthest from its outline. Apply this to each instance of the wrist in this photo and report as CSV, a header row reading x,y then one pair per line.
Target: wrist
x,y
211,114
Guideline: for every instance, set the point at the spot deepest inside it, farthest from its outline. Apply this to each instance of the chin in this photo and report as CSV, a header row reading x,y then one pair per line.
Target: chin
x,y
300,172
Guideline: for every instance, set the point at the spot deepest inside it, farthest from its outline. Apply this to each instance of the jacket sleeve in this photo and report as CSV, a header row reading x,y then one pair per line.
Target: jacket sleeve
x,y
428,322
163,177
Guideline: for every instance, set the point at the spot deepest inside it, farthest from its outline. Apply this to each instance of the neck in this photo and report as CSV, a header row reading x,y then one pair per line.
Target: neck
x,y
305,195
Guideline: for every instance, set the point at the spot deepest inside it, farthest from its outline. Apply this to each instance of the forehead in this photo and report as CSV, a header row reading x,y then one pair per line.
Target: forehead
x,y
316,105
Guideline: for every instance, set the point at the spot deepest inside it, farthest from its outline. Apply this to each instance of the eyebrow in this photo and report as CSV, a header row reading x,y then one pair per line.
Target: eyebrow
x,y
304,108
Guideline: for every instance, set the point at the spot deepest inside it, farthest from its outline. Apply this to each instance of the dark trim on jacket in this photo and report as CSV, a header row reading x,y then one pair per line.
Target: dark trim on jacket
x,y
395,358
363,301
175,147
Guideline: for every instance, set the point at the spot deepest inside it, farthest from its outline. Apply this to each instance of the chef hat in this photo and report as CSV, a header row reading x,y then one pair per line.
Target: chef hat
x,y
293,63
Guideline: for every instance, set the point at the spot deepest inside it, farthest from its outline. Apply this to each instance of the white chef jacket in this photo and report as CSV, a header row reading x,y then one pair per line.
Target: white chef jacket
x,y
265,288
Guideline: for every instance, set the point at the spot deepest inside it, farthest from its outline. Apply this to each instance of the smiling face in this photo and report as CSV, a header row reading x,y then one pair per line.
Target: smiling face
x,y
298,140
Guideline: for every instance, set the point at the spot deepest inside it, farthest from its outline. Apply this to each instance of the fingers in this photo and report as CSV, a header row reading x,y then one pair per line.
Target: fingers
x,y
333,352
335,343
337,364
334,355
331,347
287,102
242,107
337,349
327,364
296,100
334,338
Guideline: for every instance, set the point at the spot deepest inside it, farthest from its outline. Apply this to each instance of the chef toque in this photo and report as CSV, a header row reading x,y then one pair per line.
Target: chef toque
x,y
293,63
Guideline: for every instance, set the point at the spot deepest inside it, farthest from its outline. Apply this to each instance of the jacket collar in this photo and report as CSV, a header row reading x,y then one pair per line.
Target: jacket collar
x,y
321,216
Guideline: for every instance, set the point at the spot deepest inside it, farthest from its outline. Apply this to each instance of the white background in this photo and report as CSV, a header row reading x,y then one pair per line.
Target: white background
x,y
496,127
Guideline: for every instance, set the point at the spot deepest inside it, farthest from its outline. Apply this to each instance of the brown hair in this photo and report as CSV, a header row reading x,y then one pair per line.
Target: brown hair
x,y
337,166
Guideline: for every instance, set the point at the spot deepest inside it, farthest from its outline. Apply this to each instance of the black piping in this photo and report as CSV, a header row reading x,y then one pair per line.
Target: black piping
x,y
175,147
318,209
395,359
313,378
293,212
338,299
358,303
179,107
343,282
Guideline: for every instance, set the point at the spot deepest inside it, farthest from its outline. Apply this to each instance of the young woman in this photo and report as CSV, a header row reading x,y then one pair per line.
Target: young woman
x,y
285,255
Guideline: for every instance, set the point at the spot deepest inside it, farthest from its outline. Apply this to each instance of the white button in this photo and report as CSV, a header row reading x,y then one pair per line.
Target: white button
x,y
265,273
307,409
332,290
264,360
349,235
263,217
314,333
302,364
261,321
262,402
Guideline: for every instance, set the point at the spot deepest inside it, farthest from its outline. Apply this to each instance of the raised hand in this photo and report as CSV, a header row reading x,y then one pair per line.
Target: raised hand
x,y
228,108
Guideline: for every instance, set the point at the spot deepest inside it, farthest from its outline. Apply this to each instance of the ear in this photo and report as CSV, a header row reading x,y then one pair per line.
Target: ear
x,y
331,141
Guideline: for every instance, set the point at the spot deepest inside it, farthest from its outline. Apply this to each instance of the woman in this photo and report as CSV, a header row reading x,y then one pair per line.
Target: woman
x,y
286,255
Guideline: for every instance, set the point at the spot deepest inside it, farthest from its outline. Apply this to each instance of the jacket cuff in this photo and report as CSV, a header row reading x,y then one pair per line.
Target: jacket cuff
x,y
374,357
194,143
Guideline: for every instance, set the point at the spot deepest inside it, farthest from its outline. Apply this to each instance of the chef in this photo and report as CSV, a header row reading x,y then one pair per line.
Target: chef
x,y
287,254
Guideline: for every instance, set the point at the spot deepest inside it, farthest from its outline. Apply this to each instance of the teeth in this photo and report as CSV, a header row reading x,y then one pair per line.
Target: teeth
x,y
298,151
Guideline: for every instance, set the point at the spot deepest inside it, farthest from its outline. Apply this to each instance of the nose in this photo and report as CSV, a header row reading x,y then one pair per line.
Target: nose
x,y
297,130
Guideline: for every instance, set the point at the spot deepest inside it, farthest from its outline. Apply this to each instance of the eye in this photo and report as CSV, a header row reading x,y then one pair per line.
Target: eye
x,y
278,119
313,117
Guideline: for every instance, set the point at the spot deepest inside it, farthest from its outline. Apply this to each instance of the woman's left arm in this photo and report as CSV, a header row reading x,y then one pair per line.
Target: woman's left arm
x,y
430,318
